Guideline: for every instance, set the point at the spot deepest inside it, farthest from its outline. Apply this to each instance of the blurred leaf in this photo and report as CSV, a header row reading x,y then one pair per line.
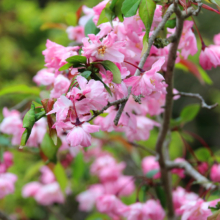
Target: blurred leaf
x,y
189,112
202,154
61,177
77,60
97,216
90,28
4,141
130,7
65,66
102,18
151,174
196,70
33,170
108,65
23,89
49,25
215,216
146,13
86,74
117,9
170,23
78,167
49,148
71,19
161,195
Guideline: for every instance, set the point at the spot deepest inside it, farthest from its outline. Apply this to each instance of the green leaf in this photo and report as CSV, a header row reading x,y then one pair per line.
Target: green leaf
x,y
61,177
49,148
108,65
86,74
161,195
130,7
65,66
23,89
117,9
202,154
189,112
33,170
78,167
77,60
90,28
4,141
205,76
146,13
151,174
170,23
39,115
102,18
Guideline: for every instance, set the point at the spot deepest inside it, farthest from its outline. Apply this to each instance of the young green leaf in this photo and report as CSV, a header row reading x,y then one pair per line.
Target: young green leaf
x,y
151,174
65,66
146,12
90,28
39,115
130,7
49,148
189,112
161,195
60,175
117,10
77,60
102,18
170,23
86,74
108,65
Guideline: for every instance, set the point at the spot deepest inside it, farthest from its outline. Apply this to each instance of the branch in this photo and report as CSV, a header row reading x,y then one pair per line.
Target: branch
x,y
117,102
199,97
189,170
165,174
3,216
169,12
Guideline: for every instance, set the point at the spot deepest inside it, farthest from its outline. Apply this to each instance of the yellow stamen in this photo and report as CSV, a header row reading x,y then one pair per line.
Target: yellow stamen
x,y
101,50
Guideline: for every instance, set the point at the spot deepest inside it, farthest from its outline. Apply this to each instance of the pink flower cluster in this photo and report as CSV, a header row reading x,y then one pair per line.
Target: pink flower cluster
x,y
45,192
7,180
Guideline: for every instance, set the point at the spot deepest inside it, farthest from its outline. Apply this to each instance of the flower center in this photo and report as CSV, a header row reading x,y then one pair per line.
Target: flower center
x,y
152,81
101,50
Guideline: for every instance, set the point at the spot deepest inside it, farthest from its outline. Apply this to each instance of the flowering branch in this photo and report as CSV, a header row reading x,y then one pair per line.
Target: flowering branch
x,y
199,97
169,12
189,170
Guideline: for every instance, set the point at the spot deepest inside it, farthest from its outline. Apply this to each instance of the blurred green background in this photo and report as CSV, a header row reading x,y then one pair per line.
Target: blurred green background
x,y
21,43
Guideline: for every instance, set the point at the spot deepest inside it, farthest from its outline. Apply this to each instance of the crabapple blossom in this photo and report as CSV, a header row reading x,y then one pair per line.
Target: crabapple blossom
x,y
179,172
215,173
44,77
7,181
75,33
149,163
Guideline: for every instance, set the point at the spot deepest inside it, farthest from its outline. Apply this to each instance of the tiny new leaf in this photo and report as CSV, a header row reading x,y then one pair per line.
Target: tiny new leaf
x,y
77,60
60,175
108,65
151,174
90,28
146,12
86,74
130,7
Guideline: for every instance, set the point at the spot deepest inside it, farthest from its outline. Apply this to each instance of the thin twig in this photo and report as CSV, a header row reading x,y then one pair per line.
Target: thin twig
x,y
189,170
199,97
143,148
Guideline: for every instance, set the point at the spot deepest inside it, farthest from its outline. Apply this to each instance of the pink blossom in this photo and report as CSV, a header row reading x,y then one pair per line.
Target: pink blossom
x,y
87,199
75,33
80,134
217,39
110,205
56,55
44,77
49,194
178,171
47,175
154,210
8,159
203,167
215,173
181,197
195,210
106,168
107,49
209,58
31,189
61,85
149,163
7,181
150,82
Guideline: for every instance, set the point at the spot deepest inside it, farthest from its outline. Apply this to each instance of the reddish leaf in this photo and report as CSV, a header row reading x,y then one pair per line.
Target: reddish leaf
x,y
48,105
78,13
208,8
193,69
